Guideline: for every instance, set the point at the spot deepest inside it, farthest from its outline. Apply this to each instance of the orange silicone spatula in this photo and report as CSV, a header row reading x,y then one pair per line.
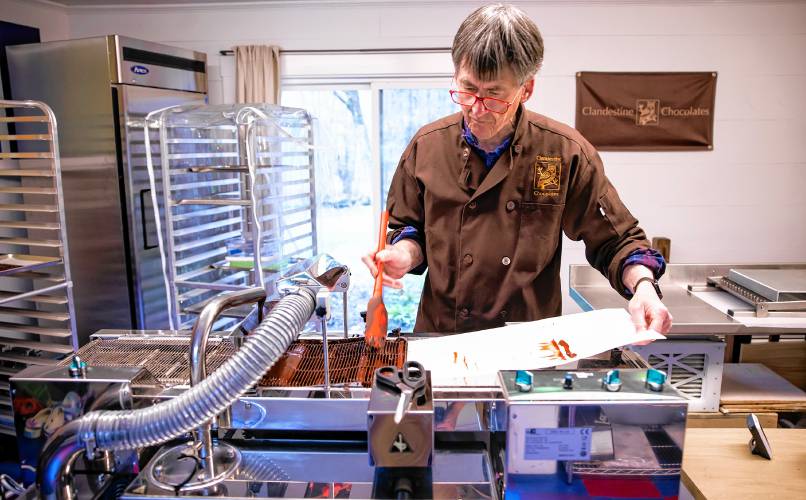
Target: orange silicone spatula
x,y
377,318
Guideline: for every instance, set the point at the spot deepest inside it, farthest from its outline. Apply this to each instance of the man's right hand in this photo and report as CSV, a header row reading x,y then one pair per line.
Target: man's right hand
x,y
397,259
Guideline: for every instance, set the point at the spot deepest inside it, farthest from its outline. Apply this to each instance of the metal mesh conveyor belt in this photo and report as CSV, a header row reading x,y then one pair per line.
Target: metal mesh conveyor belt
x,y
166,360
351,362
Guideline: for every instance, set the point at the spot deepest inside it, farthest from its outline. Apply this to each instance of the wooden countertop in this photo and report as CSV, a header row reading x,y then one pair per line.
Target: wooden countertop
x,y
717,464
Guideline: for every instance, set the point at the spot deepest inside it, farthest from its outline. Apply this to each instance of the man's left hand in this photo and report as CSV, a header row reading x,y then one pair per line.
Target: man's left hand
x,y
648,312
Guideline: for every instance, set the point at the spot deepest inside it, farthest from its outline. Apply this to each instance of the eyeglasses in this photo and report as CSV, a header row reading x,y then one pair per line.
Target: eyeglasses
x,y
490,103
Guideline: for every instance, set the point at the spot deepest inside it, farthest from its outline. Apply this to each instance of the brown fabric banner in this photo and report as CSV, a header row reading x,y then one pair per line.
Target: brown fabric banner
x,y
646,111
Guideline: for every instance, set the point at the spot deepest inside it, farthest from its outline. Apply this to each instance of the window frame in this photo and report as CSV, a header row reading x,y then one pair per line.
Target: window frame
x,y
351,71
375,86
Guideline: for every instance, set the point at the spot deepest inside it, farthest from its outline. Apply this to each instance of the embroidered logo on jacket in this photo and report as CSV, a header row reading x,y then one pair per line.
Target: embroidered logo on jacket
x,y
547,175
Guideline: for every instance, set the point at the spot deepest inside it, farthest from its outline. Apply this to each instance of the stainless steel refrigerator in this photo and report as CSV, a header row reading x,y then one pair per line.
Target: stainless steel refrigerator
x,y
100,90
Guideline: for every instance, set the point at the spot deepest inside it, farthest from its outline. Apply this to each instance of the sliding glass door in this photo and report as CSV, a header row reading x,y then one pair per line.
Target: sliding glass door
x,y
361,131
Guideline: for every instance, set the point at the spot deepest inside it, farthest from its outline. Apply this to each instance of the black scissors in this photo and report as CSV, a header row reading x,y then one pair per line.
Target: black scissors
x,y
409,382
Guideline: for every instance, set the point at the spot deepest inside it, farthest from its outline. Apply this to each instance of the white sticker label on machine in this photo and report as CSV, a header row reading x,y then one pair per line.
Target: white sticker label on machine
x,y
573,443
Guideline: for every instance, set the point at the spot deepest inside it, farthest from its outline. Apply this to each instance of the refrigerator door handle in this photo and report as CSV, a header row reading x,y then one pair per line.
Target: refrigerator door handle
x,y
145,194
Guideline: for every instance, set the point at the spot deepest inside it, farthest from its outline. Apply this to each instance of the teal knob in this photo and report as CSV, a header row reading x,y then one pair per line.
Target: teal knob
x,y
568,381
655,379
77,368
524,380
612,381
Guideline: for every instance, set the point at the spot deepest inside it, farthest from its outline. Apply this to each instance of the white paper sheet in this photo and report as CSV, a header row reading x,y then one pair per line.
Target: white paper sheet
x,y
474,358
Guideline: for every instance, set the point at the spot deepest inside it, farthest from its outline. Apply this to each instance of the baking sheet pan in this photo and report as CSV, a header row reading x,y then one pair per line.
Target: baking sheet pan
x,y
14,263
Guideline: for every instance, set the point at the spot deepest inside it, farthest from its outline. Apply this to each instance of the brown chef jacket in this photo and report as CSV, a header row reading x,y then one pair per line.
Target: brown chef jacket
x,y
492,238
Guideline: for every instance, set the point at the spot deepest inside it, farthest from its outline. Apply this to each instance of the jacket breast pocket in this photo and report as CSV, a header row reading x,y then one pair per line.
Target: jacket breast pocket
x,y
539,235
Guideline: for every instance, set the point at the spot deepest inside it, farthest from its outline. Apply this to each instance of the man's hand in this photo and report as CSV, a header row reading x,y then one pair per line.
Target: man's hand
x,y
647,311
397,259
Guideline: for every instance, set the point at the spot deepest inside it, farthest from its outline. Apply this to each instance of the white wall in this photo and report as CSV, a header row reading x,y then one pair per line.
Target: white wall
x,y
742,202
51,19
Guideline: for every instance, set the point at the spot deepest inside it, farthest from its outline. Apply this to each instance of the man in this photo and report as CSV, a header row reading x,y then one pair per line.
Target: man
x,y
480,198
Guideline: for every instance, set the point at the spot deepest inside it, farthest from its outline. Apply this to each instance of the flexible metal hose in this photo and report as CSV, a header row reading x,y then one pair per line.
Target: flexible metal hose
x,y
123,430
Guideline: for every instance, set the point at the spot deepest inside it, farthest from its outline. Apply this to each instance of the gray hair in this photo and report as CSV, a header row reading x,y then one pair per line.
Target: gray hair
x,y
494,37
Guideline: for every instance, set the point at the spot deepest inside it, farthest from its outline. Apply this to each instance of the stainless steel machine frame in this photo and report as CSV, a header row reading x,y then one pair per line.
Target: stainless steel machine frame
x,y
311,441
565,427
100,89
324,449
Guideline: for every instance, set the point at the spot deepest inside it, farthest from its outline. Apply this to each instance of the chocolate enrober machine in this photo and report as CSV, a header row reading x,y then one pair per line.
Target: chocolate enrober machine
x,y
235,434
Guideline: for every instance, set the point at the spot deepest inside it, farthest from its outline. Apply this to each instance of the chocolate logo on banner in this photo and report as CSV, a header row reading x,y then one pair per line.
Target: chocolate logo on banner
x,y
646,111
547,175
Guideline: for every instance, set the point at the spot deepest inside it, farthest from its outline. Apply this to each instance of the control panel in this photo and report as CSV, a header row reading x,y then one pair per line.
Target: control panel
x,y
595,385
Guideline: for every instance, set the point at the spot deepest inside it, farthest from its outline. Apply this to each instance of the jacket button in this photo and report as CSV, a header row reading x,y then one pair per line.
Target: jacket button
x,y
505,261
472,205
510,206
468,259
464,312
503,313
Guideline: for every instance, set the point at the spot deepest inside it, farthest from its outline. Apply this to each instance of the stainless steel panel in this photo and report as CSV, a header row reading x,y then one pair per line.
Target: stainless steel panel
x,y
298,474
772,284
103,165
558,438
691,315
73,77
300,413
162,72
151,308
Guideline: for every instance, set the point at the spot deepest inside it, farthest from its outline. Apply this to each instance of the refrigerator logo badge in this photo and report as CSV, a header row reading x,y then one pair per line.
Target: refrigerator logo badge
x,y
139,70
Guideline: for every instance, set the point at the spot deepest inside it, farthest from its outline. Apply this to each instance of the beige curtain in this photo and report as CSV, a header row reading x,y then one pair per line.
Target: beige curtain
x,y
257,74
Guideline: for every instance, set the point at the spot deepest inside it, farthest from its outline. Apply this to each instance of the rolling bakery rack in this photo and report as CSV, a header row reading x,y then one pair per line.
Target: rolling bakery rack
x,y
237,188
37,322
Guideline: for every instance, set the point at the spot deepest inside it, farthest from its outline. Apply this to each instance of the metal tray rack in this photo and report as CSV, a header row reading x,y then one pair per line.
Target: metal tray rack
x,y
238,182
37,323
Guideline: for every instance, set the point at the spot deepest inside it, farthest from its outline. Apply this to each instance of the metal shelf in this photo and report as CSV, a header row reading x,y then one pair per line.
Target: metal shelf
x,y
36,330
34,313
16,207
5,172
15,224
36,306
214,201
27,360
6,297
231,181
25,156
16,263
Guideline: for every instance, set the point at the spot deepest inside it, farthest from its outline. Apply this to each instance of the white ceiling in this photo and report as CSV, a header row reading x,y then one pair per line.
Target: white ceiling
x,y
112,3
121,3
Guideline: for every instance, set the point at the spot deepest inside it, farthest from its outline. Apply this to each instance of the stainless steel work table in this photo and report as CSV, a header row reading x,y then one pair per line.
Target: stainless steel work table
x,y
702,337
692,316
